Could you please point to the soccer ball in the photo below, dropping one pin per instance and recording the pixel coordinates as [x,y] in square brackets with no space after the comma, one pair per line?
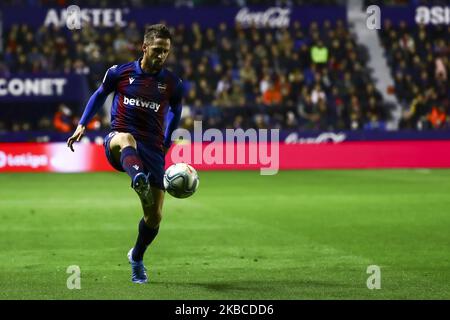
[181,180]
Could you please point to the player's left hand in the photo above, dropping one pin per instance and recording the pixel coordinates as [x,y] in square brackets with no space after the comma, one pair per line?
[77,135]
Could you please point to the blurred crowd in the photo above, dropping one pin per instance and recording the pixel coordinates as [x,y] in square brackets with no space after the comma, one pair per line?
[303,77]
[419,61]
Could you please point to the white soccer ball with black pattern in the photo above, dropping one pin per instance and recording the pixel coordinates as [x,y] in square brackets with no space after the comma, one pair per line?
[181,180]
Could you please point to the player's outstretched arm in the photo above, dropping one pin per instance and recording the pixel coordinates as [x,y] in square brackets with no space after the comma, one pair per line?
[92,107]
[94,104]
[76,137]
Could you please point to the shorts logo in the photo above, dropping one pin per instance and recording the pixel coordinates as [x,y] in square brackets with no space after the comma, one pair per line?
[131,80]
[112,134]
[138,102]
[161,87]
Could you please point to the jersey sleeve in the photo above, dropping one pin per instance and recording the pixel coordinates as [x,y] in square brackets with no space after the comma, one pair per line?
[110,79]
[174,114]
[98,98]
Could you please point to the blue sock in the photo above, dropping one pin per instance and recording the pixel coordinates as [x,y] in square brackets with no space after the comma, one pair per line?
[131,162]
[145,237]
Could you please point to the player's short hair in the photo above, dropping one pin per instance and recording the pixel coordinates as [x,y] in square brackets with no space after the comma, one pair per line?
[157,31]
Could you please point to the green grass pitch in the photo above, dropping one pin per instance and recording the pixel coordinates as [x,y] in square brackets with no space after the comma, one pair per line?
[295,235]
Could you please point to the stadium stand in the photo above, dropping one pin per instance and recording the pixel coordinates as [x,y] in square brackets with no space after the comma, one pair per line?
[419,60]
[312,77]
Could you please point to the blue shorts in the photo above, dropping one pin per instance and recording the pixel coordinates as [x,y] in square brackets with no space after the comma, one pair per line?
[152,158]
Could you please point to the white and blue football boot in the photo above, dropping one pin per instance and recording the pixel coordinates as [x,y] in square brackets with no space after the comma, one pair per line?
[141,185]
[138,270]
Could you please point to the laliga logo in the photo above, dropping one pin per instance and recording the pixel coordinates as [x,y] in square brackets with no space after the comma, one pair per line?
[273,17]
[22,160]
[2,159]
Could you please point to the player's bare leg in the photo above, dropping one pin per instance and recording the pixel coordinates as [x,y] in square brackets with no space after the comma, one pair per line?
[122,140]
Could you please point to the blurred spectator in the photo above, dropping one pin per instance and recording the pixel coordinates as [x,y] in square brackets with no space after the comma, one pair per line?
[95,123]
[15,127]
[238,122]
[3,127]
[237,98]
[355,113]
[291,120]
[373,116]
[62,121]
[307,111]
[319,53]
[437,117]
[318,94]
[441,70]
[44,124]
[224,84]
[407,43]
[261,121]
[272,95]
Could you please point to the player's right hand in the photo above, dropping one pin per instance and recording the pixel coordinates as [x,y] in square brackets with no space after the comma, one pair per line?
[77,135]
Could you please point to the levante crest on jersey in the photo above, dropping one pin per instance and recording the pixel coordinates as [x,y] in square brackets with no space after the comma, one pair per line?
[161,87]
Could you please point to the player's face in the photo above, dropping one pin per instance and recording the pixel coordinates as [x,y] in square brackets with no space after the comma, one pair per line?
[156,52]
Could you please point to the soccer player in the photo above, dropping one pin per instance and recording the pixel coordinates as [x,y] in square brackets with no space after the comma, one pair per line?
[146,109]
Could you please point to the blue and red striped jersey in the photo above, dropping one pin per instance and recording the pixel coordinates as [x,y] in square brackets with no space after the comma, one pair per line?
[141,102]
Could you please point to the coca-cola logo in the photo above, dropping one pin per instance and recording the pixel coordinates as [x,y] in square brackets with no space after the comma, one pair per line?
[274,17]
[325,137]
